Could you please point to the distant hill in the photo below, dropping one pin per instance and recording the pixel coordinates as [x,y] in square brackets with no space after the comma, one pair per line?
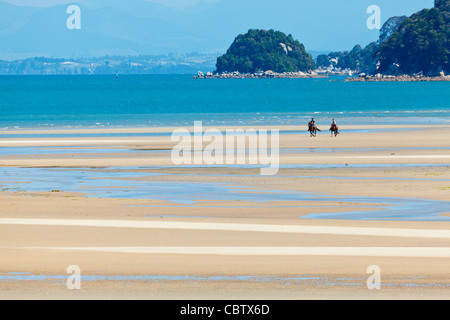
[263,50]
[161,64]
[390,27]
[359,59]
[421,43]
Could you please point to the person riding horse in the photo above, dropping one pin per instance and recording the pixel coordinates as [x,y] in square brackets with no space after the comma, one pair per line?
[334,128]
[312,128]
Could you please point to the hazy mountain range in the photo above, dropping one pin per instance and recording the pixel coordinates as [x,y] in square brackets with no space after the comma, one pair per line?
[144,64]
[135,27]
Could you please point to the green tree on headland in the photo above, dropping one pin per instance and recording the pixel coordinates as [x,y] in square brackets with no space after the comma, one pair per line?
[358,59]
[421,43]
[263,50]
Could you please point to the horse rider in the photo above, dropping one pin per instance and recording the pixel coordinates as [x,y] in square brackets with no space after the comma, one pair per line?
[334,127]
[312,128]
[312,124]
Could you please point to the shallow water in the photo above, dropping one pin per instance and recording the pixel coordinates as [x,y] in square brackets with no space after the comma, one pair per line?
[25,151]
[80,150]
[111,184]
[294,280]
[49,134]
[314,166]
[317,177]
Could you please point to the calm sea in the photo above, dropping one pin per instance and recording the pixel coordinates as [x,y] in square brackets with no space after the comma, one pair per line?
[178,100]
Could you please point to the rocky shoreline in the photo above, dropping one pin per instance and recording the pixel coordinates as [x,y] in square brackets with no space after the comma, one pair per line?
[260,75]
[308,75]
[405,78]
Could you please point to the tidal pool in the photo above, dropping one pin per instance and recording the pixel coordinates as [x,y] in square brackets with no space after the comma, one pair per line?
[109,183]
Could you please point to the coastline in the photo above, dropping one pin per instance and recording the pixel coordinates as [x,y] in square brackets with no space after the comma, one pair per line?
[402,78]
[323,75]
[260,75]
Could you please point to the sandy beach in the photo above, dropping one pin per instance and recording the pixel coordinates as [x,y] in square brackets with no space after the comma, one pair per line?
[112,202]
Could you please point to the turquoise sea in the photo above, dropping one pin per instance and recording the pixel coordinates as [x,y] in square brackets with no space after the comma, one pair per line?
[29,102]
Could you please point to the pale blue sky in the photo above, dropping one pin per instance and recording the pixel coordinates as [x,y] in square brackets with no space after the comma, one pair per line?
[38,27]
[47,3]
[186,3]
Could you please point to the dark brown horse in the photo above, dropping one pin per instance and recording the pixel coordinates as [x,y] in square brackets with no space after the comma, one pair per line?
[334,130]
[312,128]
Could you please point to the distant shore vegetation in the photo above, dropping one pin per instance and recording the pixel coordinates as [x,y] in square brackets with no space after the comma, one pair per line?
[419,44]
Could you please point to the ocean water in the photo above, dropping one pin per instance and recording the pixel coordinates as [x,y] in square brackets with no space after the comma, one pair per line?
[30,102]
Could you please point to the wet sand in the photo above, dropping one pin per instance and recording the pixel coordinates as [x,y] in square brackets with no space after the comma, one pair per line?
[212,247]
